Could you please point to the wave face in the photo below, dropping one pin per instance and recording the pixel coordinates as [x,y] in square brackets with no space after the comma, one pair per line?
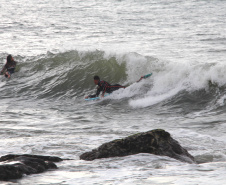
[69,75]
[62,75]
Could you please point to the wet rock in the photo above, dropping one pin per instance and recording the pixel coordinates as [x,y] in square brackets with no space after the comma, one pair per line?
[16,166]
[158,142]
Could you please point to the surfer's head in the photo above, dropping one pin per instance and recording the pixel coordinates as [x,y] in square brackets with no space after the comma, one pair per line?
[96,79]
[9,58]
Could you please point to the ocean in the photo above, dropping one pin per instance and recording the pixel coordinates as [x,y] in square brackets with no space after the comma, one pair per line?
[61,44]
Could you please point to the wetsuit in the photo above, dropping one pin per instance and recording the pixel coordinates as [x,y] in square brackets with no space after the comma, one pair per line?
[9,67]
[106,88]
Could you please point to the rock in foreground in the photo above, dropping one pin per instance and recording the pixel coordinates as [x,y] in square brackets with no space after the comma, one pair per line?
[15,166]
[158,142]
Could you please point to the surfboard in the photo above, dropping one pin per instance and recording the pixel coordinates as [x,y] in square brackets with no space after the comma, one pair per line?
[96,98]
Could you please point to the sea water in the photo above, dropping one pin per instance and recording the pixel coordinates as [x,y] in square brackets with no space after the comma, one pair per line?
[60,45]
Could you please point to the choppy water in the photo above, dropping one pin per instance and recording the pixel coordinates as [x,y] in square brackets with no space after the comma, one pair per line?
[60,45]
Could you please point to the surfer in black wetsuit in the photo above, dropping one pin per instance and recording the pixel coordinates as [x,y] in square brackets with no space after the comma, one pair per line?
[105,87]
[9,67]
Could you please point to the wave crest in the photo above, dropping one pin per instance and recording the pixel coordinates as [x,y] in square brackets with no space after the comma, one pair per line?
[69,75]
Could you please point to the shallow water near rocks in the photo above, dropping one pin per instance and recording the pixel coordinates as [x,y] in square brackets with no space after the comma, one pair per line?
[61,45]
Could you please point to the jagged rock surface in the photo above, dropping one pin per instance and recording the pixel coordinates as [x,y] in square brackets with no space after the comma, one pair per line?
[16,166]
[158,142]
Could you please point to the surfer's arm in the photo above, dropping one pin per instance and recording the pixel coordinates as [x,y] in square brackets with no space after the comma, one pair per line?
[15,64]
[102,95]
[99,89]
[3,69]
[92,96]
[105,86]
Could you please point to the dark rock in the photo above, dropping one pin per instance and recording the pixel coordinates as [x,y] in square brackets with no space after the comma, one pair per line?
[45,158]
[15,166]
[158,142]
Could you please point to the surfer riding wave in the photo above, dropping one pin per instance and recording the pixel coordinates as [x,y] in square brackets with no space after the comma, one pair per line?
[104,87]
[9,67]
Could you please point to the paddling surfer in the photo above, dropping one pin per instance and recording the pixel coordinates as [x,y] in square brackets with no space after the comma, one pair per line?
[9,67]
[104,87]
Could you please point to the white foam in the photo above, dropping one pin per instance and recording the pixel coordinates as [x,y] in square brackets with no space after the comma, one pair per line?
[2,84]
[152,99]
[169,78]
[221,101]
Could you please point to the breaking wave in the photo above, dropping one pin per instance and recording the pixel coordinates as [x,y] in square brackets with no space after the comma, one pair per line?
[69,75]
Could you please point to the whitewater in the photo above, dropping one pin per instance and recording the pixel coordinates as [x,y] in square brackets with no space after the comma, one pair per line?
[60,45]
